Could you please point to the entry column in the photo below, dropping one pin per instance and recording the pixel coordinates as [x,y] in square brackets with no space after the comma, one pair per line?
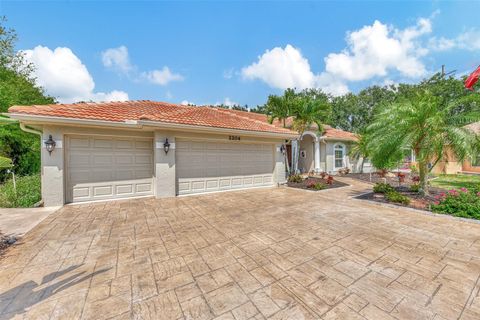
[317,156]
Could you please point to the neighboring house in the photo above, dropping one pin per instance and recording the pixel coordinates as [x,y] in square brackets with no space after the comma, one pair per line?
[142,148]
[450,164]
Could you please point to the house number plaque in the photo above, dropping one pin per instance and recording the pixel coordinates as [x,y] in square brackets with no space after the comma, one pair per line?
[234,138]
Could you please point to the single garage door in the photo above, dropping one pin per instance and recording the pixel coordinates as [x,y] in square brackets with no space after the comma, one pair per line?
[100,167]
[204,166]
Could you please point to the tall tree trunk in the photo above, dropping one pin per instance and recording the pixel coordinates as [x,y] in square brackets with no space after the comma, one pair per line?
[423,172]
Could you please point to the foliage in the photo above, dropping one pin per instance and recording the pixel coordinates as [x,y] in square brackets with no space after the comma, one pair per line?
[329,180]
[295,178]
[427,120]
[315,185]
[5,163]
[415,187]
[354,113]
[27,194]
[381,187]
[394,196]
[360,150]
[17,87]
[460,203]
[456,181]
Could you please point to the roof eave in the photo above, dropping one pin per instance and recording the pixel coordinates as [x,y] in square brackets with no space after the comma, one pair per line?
[38,119]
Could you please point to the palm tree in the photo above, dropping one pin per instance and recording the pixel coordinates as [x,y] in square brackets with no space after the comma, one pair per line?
[281,107]
[427,123]
[309,112]
[360,150]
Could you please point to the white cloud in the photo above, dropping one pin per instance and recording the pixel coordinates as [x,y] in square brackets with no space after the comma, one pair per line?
[187,103]
[63,75]
[281,68]
[441,44]
[374,50]
[118,59]
[469,40]
[227,102]
[284,68]
[228,74]
[162,77]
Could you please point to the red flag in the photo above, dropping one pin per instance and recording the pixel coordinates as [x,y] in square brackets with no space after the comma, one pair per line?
[472,79]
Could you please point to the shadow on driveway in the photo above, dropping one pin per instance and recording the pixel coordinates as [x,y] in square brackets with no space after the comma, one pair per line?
[17,300]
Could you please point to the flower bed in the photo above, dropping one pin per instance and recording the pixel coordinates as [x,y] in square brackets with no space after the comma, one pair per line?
[314,183]
[463,202]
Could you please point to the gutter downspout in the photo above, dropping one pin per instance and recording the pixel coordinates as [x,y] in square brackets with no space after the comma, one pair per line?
[24,128]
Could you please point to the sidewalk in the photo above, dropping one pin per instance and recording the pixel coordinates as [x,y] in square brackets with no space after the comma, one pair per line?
[18,221]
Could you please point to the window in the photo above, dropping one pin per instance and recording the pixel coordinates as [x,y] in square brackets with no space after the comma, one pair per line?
[339,155]
[476,161]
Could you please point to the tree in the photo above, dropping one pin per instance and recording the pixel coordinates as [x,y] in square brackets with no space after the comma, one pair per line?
[17,87]
[427,119]
[281,107]
[360,150]
[354,112]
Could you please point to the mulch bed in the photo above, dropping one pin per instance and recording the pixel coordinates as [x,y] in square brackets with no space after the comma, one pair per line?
[303,184]
[391,178]
[416,200]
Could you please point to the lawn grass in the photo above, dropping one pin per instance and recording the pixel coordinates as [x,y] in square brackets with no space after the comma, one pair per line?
[456,181]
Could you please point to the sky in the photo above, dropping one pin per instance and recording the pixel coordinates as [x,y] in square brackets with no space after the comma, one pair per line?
[238,52]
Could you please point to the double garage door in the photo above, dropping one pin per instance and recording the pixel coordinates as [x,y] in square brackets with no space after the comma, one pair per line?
[214,166]
[101,167]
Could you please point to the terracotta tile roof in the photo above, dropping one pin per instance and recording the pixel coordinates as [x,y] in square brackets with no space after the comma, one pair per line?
[154,111]
[329,132]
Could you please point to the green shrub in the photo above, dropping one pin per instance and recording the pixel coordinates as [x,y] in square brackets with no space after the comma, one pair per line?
[460,203]
[382,188]
[315,185]
[28,192]
[415,188]
[394,196]
[295,178]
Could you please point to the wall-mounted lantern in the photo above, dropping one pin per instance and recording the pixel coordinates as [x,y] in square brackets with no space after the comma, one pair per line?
[166,146]
[50,144]
[282,149]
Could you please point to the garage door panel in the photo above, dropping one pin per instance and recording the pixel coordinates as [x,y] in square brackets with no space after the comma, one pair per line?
[213,166]
[108,167]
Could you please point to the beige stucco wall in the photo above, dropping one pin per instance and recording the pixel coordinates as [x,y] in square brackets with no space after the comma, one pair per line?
[307,164]
[53,166]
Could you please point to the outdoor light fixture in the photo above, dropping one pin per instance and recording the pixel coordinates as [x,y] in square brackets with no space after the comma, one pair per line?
[282,149]
[50,144]
[166,146]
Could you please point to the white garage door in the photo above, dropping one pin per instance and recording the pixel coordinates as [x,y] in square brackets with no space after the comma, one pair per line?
[100,167]
[213,166]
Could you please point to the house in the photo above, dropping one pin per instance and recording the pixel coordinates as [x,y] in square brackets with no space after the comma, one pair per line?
[451,165]
[114,150]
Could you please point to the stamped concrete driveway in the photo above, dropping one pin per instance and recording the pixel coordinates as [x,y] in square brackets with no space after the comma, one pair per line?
[267,253]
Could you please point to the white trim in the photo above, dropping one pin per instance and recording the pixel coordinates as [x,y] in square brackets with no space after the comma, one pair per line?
[344,161]
[310,133]
[273,185]
[105,200]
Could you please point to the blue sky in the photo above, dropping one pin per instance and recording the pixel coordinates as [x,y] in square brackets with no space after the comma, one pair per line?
[225,51]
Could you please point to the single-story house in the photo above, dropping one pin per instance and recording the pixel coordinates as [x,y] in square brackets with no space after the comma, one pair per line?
[451,165]
[112,150]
